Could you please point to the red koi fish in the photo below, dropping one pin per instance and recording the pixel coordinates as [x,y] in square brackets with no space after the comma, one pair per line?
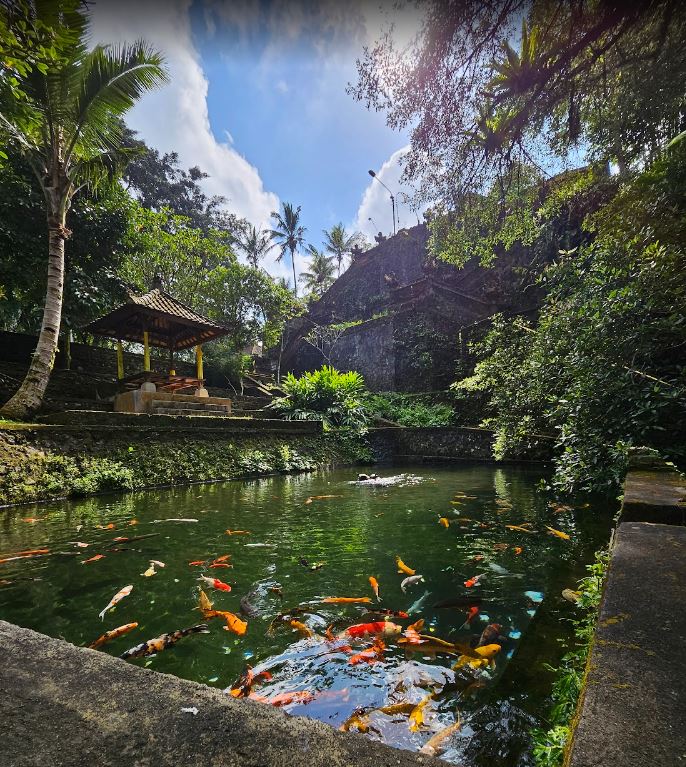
[473,612]
[243,685]
[372,654]
[215,583]
[473,581]
[196,563]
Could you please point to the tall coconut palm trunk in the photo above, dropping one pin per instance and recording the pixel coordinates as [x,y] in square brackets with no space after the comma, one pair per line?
[295,276]
[29,397]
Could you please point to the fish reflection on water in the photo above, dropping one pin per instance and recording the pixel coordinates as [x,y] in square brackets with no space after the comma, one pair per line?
[303,603]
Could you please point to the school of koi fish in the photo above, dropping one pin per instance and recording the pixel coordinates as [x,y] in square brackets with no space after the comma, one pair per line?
[467,656]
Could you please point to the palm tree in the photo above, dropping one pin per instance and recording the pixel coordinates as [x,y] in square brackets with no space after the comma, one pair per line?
[255,243]
[340,243]
[68,127]
[288,234]
[320,277]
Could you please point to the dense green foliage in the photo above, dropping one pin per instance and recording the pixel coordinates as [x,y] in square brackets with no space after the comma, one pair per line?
[319,276]
[549,744]
[410,410]
[324,395]
[604,367]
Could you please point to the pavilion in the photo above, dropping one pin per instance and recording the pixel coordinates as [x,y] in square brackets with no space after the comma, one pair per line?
[157,319]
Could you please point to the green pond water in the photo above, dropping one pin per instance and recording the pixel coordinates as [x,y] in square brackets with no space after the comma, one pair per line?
[356,534]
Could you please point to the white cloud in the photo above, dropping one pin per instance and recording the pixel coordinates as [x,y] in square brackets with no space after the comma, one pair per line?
[175,118]
[282,86]
[376,201]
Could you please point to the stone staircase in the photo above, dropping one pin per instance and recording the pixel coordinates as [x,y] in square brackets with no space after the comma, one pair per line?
[202,409]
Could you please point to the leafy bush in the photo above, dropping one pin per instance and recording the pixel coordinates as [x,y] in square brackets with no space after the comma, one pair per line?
[549,745]
[410,410]
[324,395]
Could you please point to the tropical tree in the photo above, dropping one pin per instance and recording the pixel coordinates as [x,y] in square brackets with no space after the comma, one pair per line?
[339,243]
[255,243]
[68,128]
[288,235]
[320,277]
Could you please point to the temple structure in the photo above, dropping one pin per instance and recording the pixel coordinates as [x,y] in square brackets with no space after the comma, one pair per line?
[159,320]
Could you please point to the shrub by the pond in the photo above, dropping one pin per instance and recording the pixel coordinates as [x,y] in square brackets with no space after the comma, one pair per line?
[324,395]
[549,745]
[410,409]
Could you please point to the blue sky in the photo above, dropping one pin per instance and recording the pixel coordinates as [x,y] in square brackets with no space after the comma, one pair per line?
[257,99]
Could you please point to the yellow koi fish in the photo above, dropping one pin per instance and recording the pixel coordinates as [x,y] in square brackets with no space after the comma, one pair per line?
[434,745]
[485,657]
[301,628]
[520,528]
[403,568]
[444,521]
[375,587]
[557,533]
[416,719]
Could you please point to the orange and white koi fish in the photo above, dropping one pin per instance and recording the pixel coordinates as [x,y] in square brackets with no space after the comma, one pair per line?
[106,527]
[434,745]
[215,583]
[237,532]
[80,544]
[116,599]
[24,554]
[403,568]
[372,654]
[243,685]
[320,498]
[557,533]
[524,528]
[284,698]
[301,628]
[346,600]
[120,539]
[93,559]
[473,581]
[157,563]
[444,521]
[359,630]
[163,642]
[108,636]
[375,587]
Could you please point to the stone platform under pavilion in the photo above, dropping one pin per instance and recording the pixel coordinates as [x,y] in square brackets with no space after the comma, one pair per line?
[157,319]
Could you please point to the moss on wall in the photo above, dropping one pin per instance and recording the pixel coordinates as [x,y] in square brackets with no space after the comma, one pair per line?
[56,462]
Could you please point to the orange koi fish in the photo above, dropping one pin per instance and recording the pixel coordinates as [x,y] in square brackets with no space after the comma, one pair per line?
[120,539]
[233,622]
[403,568]
[375,587]
[32,520]
[163,642]
[501,546]
[444,521]
[223,558]
[284,698]
[417,626]
[346,600]
[196,563]
[521,528]
[391,613]
[359,630]
[372,654]
[474,581]
[320,498]
[243,685]
[219,564]
[93,559]
[355,721]
[24,554]
[558,533]
[237,532]
[116,599]
[108,636]
[301,628]
[106,527]
[215,583]
[518,550]
[132,522]
[473,612]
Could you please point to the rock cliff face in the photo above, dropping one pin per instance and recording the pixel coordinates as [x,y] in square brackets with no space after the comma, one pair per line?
[398,317]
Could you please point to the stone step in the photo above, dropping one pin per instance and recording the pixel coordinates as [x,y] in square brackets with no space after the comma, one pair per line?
[180,405]
[189,412]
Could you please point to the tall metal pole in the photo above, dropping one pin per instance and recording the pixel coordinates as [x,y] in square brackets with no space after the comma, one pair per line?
[373,175]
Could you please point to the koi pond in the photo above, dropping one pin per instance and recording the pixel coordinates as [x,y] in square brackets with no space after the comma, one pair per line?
[312,537]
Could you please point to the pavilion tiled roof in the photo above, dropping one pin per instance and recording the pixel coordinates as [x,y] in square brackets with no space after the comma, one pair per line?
[169,323]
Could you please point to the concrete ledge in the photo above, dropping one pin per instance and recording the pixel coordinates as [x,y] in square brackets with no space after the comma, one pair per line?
[68,706]
[633,712]
[94,418]
[654,492]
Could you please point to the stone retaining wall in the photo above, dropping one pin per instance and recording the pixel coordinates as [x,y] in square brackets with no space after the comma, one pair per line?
[69,706]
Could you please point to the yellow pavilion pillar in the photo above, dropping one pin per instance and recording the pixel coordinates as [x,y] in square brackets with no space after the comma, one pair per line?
[120,360]
[198,362]
[146,352]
